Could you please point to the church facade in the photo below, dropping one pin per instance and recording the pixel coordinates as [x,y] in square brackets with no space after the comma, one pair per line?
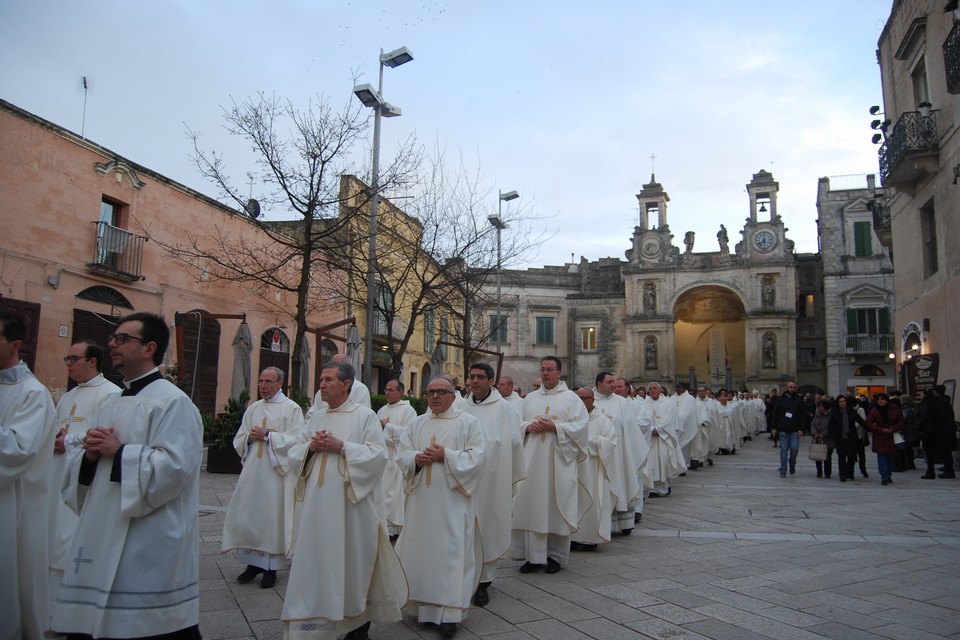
[725,318]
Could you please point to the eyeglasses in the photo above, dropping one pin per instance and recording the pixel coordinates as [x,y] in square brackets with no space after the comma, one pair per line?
[72,359]
[120,338]
[438,392]
[477,376]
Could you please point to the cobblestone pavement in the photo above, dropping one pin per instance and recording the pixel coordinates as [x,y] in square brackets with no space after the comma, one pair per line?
[734,553]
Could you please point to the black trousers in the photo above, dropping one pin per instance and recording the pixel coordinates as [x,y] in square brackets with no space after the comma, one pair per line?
[190,633]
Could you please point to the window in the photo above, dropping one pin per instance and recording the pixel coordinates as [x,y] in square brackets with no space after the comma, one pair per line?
[805,308]
[429,332]
[928,234]
[498,330]
[869,322]
[588,339]
[921,90]
[384,308]
[544,330]
[862,239]
[808,357]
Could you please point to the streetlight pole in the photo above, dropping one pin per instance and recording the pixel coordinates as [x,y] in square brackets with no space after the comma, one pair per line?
[498,223]
[381,108]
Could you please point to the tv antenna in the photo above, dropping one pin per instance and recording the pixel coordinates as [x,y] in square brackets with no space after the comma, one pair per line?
[85,84]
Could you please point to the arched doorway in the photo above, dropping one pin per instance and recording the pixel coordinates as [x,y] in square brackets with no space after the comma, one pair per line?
[424,379]
[708,336]
[275,352]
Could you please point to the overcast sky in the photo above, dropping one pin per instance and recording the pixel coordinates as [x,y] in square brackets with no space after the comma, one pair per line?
[563,101]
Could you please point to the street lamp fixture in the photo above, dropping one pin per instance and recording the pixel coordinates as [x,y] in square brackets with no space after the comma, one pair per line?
[381,108]
[500,225]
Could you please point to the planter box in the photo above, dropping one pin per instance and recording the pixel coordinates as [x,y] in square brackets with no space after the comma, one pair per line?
[223,460]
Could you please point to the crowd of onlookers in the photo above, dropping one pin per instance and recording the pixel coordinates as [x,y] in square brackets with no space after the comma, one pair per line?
[898,428]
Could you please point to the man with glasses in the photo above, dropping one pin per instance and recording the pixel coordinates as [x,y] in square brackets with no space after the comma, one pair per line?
[441,456]
[134,564]
[77,411]
[547,506]
[504,468]
[26,432]
[259,522]
[395,417]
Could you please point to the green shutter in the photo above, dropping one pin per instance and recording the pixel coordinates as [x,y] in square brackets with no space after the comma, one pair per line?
[863,245]
[852,322]
[883,320]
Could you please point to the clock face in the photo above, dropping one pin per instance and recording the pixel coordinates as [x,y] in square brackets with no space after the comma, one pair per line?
[764,241]
[650,248]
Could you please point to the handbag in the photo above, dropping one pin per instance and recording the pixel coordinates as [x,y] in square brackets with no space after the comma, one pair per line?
[898,440]
[818,452]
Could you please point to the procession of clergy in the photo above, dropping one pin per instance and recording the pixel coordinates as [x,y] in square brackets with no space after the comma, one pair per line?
[381,511]
[373,511]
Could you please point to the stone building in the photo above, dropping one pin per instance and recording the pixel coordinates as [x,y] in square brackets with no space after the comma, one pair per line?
[858,288]
[919,56]
[727,317]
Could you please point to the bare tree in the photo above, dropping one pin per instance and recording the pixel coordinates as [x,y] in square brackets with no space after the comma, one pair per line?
[300,156]
[435,256]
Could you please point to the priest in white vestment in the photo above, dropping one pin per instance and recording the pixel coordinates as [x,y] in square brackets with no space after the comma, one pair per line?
[504,468]
[77,411]
[728,425]
[441,456]
[259,524]
[134,565]
[694,440]
[27,429]
[630,453]
[635,403]
[395,417]
[359,394]
[508,393]
[595,472]
[709,411]
[551,500]
[345,572]
[659,424]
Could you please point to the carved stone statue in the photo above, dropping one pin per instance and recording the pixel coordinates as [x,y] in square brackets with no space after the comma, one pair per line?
[723,239]
[768,293]
[649,298]
[769,352]
[650,353]
[688,240]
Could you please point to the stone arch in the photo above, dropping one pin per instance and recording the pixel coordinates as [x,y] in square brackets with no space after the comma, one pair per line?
[709,334]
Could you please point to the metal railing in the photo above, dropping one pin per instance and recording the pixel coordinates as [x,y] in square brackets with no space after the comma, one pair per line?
[913,134]
[864,343]
[951,58]
[117,252]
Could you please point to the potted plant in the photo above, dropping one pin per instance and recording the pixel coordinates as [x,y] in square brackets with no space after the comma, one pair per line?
[218,433]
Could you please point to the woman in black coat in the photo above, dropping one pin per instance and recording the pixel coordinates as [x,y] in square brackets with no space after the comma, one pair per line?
[843,432]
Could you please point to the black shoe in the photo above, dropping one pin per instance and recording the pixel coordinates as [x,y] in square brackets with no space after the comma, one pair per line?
[360,633]
[843,479]
[249,574]
[884,482]
[947,476]
[625,532]
[793,469]
[820,474]
[653,494]
[529,567]
[637,517]
[575,546]
[928,476]
[683,475]
[481,597]
[710,461]
[447,629]
[268,580]
[552,565]
[865,474]
[827,476]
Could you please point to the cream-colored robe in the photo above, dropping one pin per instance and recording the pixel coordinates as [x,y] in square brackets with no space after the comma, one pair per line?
[626,468]
[595,474]
[345,572]
[359,394]
[134,564]
[27,428]
[400,415]
[666,460]
[439,547]
[260,515]
[728,426]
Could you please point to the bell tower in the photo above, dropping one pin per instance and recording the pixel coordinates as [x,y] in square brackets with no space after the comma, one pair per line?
[652,240]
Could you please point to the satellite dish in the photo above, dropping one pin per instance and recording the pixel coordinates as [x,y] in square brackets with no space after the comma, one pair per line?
[252,208]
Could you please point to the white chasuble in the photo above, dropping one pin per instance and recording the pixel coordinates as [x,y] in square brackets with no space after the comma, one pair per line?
[134,564]
[344,570]
[504,468]
[399,416]
[595,473]
[438,546]
[665,460]
[260,515]
[626,467]
[551,499]
[27,428]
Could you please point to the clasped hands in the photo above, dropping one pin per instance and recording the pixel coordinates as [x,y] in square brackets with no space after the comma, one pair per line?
[100,441]
[258,433]
[433,453]
[325,442]
[542,425]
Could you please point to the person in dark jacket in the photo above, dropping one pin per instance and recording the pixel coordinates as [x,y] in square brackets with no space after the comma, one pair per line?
[844,422]
[789,419]
[820,431]
[885,420]
[945,430]
[927,428]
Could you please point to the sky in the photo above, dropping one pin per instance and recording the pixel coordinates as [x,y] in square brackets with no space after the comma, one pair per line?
[564,102]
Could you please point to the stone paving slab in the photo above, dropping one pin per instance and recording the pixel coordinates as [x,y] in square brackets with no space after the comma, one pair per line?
[735,552]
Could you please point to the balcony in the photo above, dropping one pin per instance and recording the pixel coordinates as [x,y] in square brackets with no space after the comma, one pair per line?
[864,343]
[910,150]
[951,59]
[880,207]
[118,253]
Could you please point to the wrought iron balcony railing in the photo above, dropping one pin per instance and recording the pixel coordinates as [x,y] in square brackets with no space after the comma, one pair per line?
[117,252]
[911,142]
[951,58]
[864,343]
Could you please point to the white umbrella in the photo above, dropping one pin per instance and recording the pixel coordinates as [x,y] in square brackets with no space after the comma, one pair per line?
[242,348]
